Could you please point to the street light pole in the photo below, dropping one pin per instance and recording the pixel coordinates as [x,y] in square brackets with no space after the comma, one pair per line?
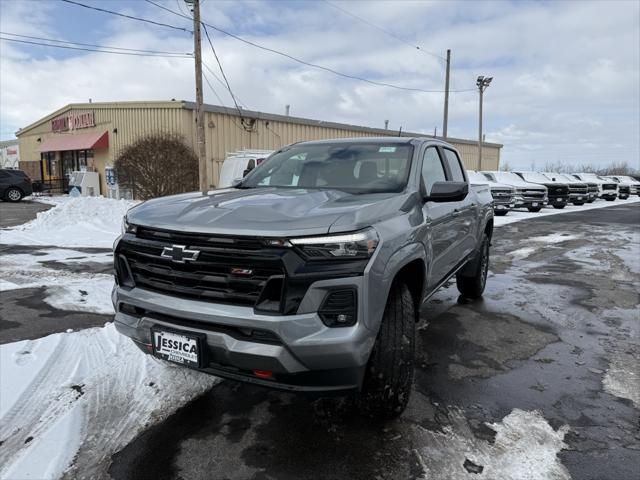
[482,83]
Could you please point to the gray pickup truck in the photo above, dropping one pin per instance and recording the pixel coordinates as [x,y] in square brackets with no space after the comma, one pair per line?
[308,275]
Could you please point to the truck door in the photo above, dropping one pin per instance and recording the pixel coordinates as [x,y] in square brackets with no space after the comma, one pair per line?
[465,210]
[438,232]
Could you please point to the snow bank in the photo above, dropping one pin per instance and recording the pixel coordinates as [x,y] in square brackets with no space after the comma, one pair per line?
[77,398]
[525,448]
[72,222]
[518,216]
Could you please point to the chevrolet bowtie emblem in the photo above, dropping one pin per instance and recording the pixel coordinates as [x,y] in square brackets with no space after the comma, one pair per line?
[180,253]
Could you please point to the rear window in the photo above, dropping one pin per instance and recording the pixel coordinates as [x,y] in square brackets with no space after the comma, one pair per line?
[454,165]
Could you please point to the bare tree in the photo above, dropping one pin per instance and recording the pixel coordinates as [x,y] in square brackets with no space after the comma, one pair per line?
[505,167]
[157,165]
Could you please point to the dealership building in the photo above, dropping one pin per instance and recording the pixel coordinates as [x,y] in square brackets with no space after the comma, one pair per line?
[90,136]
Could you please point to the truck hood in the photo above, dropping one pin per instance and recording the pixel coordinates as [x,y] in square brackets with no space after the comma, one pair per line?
[269,212]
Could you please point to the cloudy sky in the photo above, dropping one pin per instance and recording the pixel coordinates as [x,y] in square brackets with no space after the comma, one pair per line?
[566,74]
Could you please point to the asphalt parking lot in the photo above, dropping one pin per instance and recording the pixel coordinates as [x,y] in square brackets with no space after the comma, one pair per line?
[12,214]
[554,341]
[561,309]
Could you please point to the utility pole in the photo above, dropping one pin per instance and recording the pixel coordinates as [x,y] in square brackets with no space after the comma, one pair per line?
[482,83]
[446,97]
[201,150]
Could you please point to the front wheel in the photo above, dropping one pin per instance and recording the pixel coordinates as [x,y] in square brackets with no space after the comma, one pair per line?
[609,199]
[577,204]
[559,206]
[389,375]
[501,213]
[13,194]
[472,286]
[534,209]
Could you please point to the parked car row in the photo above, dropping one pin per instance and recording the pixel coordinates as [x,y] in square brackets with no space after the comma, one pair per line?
[535,190]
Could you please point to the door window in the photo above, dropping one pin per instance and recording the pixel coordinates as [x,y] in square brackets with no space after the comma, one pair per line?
[432,169]
[454,165]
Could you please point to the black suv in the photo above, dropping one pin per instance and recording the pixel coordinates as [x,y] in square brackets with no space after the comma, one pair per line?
[14,185]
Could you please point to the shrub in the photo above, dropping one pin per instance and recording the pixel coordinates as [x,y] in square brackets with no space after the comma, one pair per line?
[157,165]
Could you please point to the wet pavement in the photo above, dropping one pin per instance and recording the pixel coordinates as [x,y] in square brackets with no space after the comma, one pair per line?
[12,214]
[539,380]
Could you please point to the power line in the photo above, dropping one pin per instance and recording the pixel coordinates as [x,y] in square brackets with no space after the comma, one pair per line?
[93,49]
[206,79]
[131,17]
[157,52]
[308,64]
[221,82]
[383,30]
[222,71]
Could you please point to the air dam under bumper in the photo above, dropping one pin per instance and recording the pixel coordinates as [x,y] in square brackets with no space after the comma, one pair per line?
[301,352]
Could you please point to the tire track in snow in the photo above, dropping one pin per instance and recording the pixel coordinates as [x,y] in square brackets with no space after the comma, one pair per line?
[94,389]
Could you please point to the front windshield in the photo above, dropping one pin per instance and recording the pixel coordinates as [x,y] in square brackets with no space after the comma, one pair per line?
[476,178]
[507,177]
[352,167]
[534,177]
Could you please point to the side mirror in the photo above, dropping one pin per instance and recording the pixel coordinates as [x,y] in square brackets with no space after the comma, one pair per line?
[448,192]
[235,182]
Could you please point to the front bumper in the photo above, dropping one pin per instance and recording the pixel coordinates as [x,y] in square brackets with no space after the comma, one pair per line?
[301,352]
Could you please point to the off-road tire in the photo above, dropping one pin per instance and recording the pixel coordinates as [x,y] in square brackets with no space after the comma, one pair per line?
[501,213]
[13,194]
[534,209]
[389,376]
[473,286]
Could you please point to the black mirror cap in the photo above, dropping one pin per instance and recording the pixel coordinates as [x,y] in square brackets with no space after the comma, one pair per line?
[448,192]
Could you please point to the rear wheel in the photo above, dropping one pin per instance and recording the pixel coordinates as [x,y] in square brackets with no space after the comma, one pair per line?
[534,209]
[13,194]
[472,286]
[389,375]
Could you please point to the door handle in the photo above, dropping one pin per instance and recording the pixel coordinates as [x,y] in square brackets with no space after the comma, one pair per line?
[456,212]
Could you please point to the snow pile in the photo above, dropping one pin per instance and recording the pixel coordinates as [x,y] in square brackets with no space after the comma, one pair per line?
[74,399]
[519,215]
[73,222]
[525,448]
[65,289]
[622,378]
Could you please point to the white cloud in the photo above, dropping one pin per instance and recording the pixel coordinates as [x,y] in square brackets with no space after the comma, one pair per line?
[566,73]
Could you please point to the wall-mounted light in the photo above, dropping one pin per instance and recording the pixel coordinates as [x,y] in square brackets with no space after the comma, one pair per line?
[38,139]
[115,130]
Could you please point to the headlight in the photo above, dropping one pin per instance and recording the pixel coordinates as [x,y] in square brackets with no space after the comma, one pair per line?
[128,227]
[357,245]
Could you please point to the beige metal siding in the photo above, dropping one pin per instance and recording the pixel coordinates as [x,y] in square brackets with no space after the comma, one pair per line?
[224,132]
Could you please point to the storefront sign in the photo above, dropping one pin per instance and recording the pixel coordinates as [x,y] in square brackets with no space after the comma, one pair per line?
[73,122]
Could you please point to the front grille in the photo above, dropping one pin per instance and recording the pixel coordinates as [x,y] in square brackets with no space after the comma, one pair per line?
[501,193]
[533,194]
[226,270]
[609,186]
[578,190]
[556,190]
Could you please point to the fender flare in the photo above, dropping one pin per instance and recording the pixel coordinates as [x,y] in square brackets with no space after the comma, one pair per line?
[397,261]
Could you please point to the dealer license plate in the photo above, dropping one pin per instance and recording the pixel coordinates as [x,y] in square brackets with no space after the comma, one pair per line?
[579,198]
[176,347]
[534,204]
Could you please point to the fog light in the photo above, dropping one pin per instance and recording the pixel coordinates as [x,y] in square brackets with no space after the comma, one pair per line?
[263,373]
[339,308]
